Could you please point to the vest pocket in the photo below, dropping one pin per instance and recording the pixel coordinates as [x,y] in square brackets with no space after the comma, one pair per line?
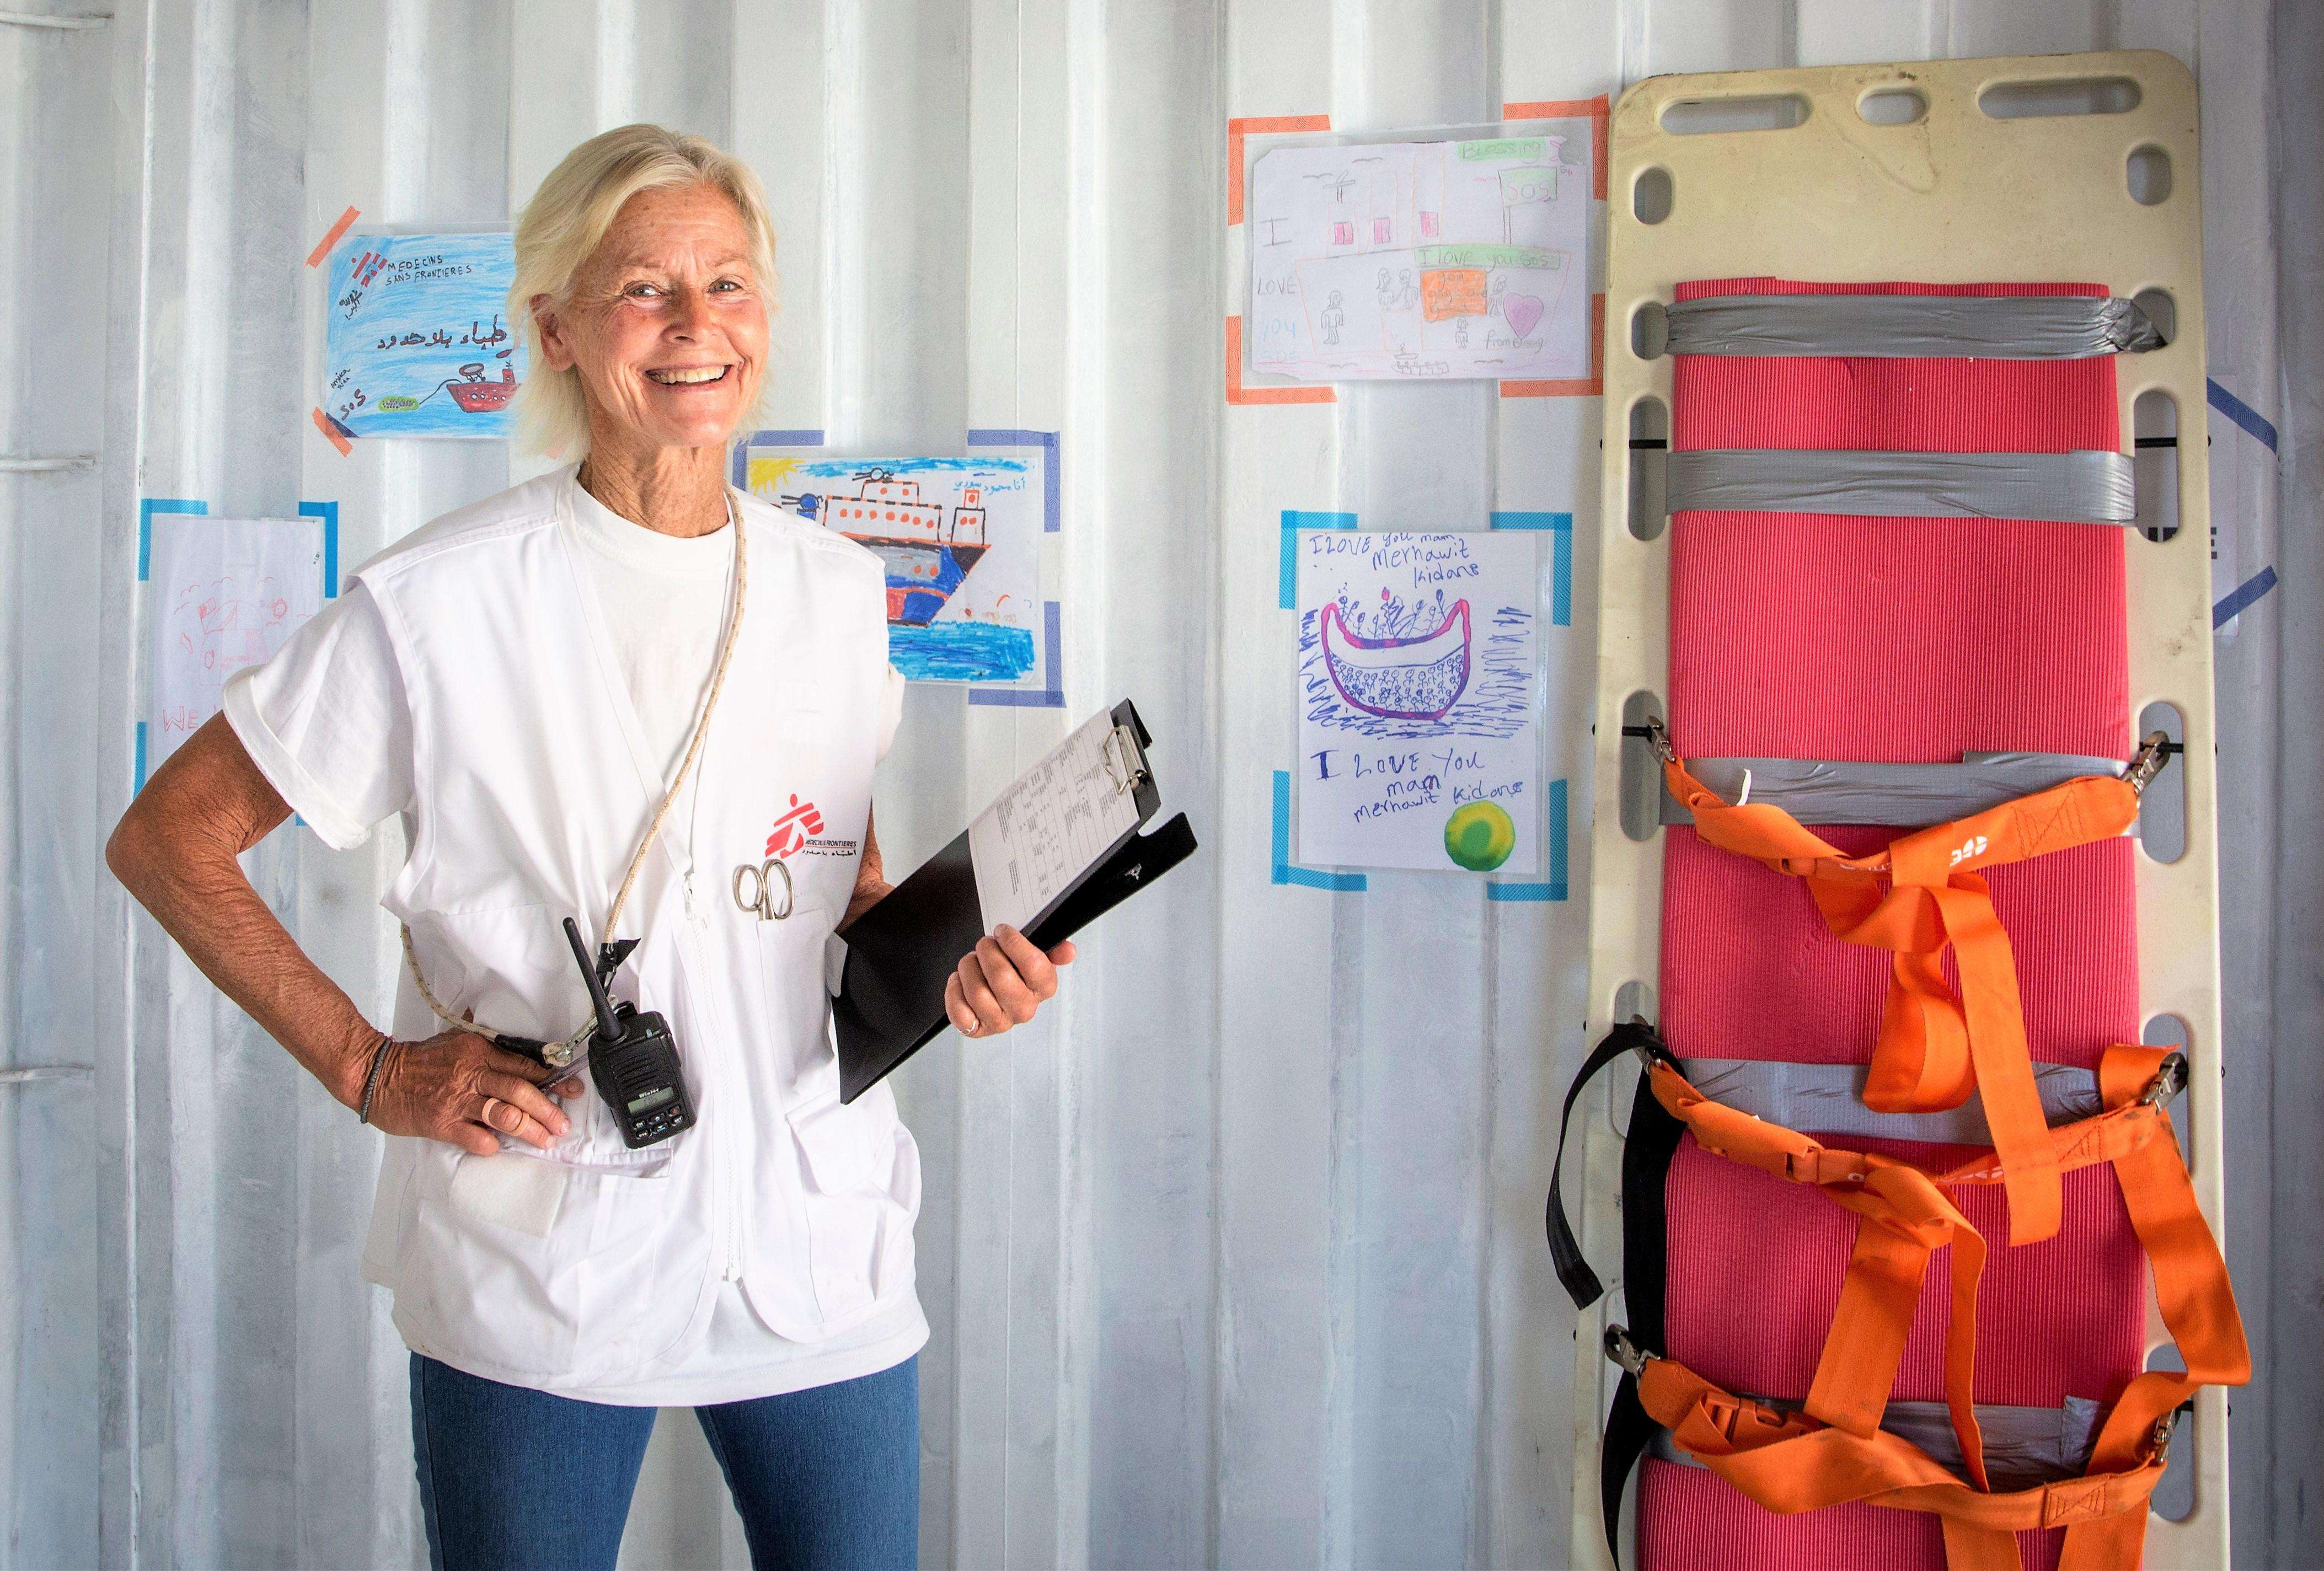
[838,1143]
[503,965]
[601,1277]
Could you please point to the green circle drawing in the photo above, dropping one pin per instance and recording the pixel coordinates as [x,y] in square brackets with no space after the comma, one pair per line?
[1479,836]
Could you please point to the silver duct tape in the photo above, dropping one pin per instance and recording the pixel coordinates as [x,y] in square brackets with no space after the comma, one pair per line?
[2024,1447]
[1894,795]
[2083,488]
[1828,1100]
[1911,327]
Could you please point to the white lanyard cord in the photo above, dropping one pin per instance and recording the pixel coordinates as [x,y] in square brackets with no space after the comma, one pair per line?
[560,1053]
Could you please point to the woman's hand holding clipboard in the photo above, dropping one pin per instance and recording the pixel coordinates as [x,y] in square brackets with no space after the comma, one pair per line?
[1058,849]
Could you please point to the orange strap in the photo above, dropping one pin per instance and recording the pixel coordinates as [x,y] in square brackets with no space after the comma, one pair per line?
[1903,1218]
[1789,1463]
[1835,1450]
[1916,898]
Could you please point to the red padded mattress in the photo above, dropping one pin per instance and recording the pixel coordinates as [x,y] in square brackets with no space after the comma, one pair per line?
[1885,640]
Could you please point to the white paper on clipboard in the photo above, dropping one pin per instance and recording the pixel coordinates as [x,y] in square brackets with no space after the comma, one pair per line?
[1050,827]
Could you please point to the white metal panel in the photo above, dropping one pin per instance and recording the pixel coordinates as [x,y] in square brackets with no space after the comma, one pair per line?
[51,410]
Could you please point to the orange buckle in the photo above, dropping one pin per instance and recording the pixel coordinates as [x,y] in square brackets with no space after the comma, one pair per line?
[1726,1414]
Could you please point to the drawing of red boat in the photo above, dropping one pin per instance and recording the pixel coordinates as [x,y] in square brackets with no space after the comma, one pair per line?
[476,396]
[1420,678]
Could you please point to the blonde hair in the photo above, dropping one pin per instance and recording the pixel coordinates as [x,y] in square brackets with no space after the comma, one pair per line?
[561,227]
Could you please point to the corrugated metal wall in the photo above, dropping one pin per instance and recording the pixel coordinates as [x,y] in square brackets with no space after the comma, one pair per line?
[1236,1260]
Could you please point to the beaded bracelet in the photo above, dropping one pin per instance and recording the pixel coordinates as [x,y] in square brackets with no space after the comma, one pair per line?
[371,1081]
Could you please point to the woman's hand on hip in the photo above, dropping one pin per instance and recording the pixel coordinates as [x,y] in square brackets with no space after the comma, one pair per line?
[458,1088]
[1002,982]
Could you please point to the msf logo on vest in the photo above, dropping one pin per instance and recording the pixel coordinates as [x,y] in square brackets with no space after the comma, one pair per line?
[799,831]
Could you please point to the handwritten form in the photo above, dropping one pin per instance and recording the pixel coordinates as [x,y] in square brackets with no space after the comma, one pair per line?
[1422,260]
[224,594]
[417,340]
[1050,827]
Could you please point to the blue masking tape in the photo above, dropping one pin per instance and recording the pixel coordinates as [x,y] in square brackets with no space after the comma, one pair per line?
[1294,520]
[1304,878]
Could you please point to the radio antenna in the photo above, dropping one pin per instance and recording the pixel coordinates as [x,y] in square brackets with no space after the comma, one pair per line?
[607,1026]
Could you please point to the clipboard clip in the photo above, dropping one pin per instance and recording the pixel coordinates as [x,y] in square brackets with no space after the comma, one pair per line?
[1125,760]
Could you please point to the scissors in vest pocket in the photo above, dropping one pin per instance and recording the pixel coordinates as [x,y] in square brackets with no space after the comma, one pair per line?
[761,881]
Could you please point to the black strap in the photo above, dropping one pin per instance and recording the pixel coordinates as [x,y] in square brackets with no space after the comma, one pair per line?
[1629,1432]
[1581,1283]
[1648,1147]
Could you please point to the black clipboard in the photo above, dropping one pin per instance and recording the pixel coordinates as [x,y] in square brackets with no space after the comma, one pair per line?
[901,951]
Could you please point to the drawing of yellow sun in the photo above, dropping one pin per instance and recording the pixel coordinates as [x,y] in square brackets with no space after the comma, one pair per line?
[767,473]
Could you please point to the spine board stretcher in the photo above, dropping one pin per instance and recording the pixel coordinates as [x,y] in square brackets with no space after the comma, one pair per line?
[2088,623]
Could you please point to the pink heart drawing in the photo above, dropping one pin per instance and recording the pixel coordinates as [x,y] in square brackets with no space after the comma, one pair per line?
[1523,313]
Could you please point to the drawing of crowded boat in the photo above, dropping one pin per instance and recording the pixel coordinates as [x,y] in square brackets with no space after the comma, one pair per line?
[927,554]
[476,396]
[1416,677]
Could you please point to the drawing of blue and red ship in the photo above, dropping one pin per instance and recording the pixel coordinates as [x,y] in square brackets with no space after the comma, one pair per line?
[926,553]
[1419,678]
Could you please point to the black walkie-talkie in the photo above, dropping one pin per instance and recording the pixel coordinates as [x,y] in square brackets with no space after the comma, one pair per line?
[633,1061]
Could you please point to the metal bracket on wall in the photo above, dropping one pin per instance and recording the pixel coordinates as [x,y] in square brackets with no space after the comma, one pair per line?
[81,22]
[46,1072]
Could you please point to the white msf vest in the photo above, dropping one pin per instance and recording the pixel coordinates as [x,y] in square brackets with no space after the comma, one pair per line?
[594,1265]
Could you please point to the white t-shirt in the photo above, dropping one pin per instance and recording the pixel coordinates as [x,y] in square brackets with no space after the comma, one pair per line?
[326,723]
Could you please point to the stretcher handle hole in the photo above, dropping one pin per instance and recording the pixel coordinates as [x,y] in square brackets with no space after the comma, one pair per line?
[1755,111]
[2154,465]
[1649,331]
[1641,783]
[2173,1499]
[2060,95]
[2171,1031]
[2148,172]
[2165,1030]
[1893,107]
[2161,309]
[1633,1000]
[1651,194]
[2162,806]
[1649,468]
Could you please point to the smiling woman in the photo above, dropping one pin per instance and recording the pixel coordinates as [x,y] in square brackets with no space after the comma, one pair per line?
[531,683]
[698,225]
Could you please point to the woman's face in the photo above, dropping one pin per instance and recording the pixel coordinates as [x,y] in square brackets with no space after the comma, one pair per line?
[665,323]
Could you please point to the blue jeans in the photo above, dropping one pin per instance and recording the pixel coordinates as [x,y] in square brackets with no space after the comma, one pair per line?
[827,1479]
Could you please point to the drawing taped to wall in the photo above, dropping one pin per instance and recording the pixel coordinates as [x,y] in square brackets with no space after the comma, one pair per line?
[1421,258]
[416,337]
[224,593]
[1418,689]
[959,539]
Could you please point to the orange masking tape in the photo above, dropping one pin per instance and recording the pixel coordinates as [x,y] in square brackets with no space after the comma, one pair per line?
[323,246]
[331,433]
